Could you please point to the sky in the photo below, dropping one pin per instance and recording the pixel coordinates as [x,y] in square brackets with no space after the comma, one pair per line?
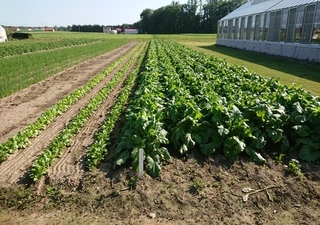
[74,12]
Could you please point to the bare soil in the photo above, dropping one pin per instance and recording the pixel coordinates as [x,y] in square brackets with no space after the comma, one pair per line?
[190,190]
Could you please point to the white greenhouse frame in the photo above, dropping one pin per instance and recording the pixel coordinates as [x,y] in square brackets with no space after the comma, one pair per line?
[3,35]
[289,28]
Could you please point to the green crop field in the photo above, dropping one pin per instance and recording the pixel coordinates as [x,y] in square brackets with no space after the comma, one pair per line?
[210,130]
[27,62]
[44,57]
[288,71]
[191,101]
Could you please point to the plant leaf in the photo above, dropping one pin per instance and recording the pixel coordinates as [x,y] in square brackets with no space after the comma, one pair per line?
[122,158]
[255,156]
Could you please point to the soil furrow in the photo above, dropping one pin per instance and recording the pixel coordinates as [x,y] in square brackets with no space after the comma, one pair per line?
[24,107]
[16,167]
[69,168]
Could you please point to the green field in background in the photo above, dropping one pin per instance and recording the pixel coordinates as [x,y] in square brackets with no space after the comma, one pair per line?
[20,71]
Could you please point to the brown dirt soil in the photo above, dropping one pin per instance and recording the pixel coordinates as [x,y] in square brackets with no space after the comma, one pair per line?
[190,190]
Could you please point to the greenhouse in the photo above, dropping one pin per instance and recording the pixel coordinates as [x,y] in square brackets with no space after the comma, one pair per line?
[3,35]
[289,28]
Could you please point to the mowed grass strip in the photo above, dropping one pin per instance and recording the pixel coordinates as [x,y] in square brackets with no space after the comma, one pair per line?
[21,71]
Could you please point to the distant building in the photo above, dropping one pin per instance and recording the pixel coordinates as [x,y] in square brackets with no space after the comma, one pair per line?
[278,27]
[15,29]
[131,31]
[108,30]
[119,30]
[50,29]
[3,35]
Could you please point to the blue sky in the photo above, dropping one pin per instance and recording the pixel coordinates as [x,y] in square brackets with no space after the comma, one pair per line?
[69,12]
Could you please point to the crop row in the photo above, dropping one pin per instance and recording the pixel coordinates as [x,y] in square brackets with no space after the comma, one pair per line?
[268,115]
[22,138]
[98,150]
[189,101]
[144,127]
[23,70]
[27,47]
[66,136]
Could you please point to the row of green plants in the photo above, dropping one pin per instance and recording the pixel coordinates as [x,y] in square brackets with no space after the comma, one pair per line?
[188,101]
[29,47]
[97,151]
[265,114]
[66,136]
[22,138]
[144,121]
[21,71]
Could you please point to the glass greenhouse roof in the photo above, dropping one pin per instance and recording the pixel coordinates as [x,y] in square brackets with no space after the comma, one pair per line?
[292,3]
[258,6]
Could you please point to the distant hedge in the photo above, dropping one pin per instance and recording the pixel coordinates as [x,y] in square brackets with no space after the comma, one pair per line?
[21,35]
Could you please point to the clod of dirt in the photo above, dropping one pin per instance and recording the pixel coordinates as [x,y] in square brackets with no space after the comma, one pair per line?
[152,215]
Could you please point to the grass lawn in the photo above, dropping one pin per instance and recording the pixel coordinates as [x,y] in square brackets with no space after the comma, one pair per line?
[304,74]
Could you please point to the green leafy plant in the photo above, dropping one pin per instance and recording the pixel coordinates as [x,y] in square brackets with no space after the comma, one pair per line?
[196,187]
[294,167]
[192,101]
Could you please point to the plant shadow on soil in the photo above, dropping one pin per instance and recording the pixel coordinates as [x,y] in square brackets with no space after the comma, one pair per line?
[298,68]
[189,189]
[25,179]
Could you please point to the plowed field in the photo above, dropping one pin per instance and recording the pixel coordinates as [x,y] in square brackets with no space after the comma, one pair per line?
[190,189]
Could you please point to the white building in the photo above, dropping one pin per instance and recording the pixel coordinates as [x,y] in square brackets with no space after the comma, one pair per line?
[288,28]
[3,35]
[108,30]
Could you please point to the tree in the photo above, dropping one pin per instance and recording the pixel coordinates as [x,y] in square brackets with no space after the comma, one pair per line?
[186,18]
[189,19]
[214,10]
[145,20]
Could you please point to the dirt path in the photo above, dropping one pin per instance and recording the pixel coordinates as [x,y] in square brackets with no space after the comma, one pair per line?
[16,167]
[24,107]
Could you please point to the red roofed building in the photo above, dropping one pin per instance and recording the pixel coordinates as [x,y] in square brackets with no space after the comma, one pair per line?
[15,29]
[51,29]
[119,30]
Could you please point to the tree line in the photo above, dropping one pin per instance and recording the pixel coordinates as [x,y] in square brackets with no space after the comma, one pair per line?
[99,28]
[193,17]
